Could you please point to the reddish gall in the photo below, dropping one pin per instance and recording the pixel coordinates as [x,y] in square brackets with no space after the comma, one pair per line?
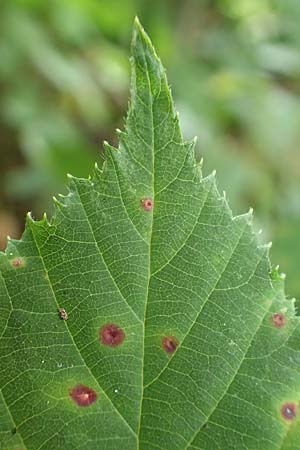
[111,335]
[169,344]
[83,395]
[289,411]
[278,320]
[147,204]
[17,263]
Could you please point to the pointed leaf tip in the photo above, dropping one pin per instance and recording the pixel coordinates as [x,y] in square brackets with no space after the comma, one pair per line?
[141,42]
[139,29]
[137,22]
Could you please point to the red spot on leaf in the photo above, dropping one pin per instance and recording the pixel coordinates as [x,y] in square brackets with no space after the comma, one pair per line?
[111,335]
[289,411]
[147,204]
[17,263]
[83,395]
[169,344]
[278,320]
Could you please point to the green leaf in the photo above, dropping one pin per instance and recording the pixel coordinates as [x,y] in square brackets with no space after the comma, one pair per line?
[178,333]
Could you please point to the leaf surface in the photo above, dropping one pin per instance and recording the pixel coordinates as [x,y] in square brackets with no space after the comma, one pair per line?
[178,333]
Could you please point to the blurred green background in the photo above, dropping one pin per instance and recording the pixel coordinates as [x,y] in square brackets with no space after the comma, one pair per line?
[234,68]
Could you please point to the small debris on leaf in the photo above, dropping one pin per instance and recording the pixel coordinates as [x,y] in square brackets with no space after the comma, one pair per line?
[63,314]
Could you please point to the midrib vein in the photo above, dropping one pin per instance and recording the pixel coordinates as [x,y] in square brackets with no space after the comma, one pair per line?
[150,248]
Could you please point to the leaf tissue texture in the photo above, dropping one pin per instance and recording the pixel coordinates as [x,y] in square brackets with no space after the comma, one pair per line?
[144,315]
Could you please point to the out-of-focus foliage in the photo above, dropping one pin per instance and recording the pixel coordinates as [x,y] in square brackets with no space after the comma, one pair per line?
[235,72]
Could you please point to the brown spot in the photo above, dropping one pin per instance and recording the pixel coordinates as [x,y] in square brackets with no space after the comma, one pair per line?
[63,314]
[111,335]
[83,395]
[169,344]
[289,411]
[147,204]
[278,320]
[17,263]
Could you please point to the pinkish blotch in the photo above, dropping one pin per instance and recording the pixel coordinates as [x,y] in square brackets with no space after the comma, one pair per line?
[278,320]
[111,335]
[288,411]
[17,262]
[169,344]
[147,204]
[83,395]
